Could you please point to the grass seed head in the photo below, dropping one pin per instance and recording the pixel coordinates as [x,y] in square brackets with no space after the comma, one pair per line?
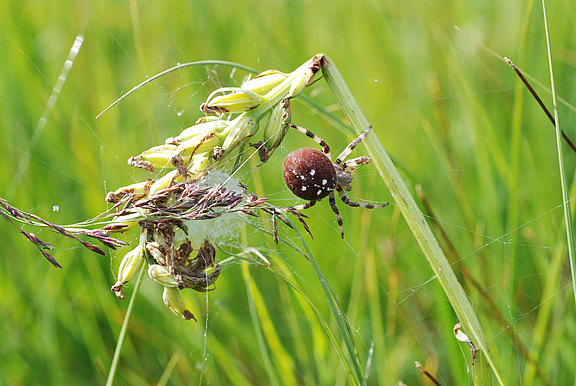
[137,191]
[236,102]
[211,125]
[198,144]
[159,156]
[129,267]
[264,82]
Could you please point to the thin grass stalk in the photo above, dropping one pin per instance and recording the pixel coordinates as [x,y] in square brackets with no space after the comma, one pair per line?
[332,300]
[123,330]
[323,367]
[176,68]
[352,362]
[565,197]
[258,327]
[415,220]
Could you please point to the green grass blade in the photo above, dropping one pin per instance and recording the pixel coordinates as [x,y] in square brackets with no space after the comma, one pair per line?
[565,197]
[415,220]
[265,328]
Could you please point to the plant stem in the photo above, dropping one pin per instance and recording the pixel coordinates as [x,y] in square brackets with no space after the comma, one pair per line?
[122,336]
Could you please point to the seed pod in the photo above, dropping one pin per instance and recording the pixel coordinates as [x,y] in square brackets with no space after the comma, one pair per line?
[197,168]
[304,75]
[165,182]
[198,144]
[157,156]
[240,128]
[174,300]
[298,84]
[137,190]
[129,267]
[161,275]
[264,82]
[211,126]
[273,131]
[236,102]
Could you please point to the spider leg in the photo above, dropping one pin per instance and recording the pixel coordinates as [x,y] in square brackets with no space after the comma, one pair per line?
[356,162]
[315,138]
[304,206]
[355,204]
[346,152]
[337,212]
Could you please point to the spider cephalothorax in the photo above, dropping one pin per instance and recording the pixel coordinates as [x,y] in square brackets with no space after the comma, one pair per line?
[310,174]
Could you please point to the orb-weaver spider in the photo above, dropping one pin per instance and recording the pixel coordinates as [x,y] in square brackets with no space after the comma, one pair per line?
[310,174]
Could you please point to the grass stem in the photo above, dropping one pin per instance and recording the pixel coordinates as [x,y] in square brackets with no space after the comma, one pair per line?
[123,330]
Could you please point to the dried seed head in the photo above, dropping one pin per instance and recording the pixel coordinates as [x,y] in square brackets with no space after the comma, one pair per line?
[309,174]
[193,272]
[156,252]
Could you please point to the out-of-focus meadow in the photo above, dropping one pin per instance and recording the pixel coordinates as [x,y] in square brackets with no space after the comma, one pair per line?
[455,119]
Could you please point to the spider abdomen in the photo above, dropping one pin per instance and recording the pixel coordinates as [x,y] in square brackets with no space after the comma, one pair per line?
[309,174]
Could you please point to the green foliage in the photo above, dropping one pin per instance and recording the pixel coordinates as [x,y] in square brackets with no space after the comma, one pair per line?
[454,119]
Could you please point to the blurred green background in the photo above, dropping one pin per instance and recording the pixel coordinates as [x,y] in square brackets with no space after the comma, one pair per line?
[455,119]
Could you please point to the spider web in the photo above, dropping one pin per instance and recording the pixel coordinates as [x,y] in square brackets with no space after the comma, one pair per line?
[178,96]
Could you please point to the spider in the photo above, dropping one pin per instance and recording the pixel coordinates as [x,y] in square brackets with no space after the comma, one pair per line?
[310,174]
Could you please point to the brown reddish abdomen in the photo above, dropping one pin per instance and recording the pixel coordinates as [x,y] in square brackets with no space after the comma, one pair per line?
[309,174]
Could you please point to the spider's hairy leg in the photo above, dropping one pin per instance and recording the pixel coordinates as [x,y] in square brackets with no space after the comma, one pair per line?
[304,206]
[355,204]
[315,138]
[346,152]
[332,201]
[363,160]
